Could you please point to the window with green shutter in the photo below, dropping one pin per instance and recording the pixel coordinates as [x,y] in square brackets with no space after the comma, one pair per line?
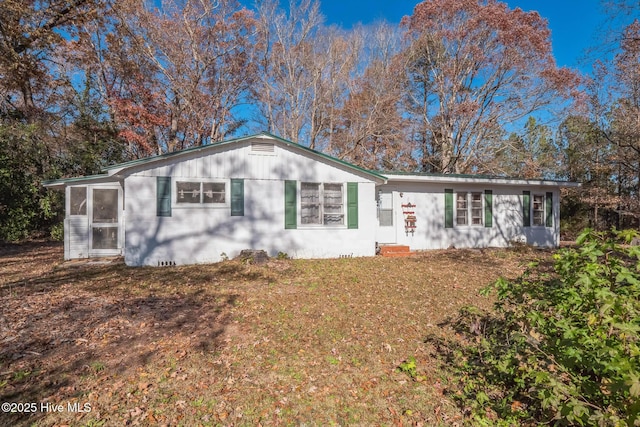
[290,205]
[488,208]
[352,205]
[448,208]
[163,196]
[237,197]
[526,208]
[549,209]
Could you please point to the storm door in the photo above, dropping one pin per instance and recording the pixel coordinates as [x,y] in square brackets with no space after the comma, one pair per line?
[104,234]
[386,230]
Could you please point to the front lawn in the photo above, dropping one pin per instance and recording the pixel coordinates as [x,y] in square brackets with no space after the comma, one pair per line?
[289,342]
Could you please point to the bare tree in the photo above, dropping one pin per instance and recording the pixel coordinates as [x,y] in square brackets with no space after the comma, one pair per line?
[285,93]
[474,66]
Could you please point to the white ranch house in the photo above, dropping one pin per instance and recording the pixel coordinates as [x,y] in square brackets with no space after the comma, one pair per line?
[206,203]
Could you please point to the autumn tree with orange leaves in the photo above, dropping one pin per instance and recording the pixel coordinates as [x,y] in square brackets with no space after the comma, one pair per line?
[183,69]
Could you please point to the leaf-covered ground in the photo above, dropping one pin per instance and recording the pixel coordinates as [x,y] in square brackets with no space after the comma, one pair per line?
[289,342]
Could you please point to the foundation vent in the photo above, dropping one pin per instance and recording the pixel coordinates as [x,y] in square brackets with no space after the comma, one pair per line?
[166,263]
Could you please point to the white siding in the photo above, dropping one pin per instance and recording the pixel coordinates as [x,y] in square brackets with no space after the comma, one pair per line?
[238,161]
[430,232]
[203,234]
[76,236]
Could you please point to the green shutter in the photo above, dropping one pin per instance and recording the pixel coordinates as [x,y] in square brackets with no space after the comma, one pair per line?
[488,208]
[526,208]
[290,205]
[352,205]
[237,197]
[163,196]
[549,210]
[448,208]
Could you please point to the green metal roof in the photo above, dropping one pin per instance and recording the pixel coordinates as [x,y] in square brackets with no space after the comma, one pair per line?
[63,181]
[159,157]
[472,176]
[377,175]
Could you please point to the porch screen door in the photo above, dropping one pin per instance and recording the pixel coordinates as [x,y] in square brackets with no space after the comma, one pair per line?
[104,220]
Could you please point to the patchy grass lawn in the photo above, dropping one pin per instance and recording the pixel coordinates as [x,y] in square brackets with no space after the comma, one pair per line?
[290,342]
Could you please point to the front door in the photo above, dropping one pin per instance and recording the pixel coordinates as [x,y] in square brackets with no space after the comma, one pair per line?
[386,231]
[104,226]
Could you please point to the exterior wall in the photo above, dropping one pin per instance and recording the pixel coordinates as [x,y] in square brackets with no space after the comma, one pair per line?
[198,234]
[430,231]
[76,238]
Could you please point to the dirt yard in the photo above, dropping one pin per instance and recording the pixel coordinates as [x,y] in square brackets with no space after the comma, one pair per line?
[289,342]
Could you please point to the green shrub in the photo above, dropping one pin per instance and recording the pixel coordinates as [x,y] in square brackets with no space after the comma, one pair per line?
[562,346]
[57,232]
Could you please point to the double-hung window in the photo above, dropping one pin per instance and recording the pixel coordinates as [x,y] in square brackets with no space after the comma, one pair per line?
[200,193]
[469,208]
[476,208]
[538,210]
[539,207]
[321,203]
[462,209]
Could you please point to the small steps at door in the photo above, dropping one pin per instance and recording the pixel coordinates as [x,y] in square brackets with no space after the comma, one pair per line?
[395,251]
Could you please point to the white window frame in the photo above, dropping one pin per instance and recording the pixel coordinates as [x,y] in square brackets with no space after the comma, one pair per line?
[469,208]
[201,204]
[321,204]
[542,210]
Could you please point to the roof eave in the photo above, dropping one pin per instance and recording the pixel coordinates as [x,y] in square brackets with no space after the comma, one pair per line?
[445,179]
[58,184]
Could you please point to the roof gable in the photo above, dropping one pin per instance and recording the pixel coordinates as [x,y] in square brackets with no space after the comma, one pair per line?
[126,167]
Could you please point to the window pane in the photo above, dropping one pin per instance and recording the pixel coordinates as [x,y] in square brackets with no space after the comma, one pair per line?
[461,201]
[333,219]
[333,203]
[78,201]
[476,200]
[385,217]
[461,209]
[105,205]
[385,209]
[310,214]
[538,209]
[213,192]
[461,218]
[105,238]
[188,192]
[310,203]
[476,208]
[310,193]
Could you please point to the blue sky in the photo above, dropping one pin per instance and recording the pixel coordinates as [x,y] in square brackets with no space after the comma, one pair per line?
[573,23]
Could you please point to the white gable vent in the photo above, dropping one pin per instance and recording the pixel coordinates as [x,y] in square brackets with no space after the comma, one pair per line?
[262,147]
